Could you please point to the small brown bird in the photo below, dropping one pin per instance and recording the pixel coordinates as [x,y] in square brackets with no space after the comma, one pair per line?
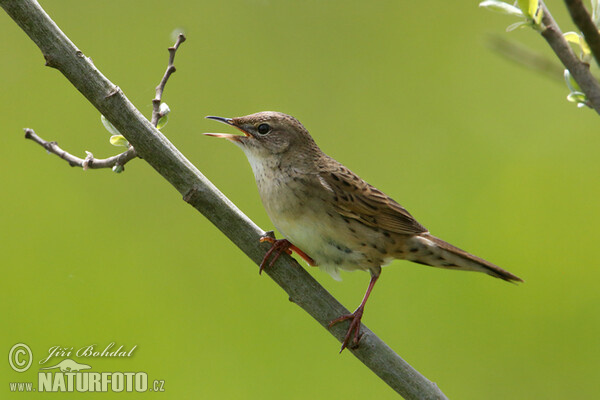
[330,216]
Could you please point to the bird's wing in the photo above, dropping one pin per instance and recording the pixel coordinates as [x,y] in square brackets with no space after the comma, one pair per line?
[354,198]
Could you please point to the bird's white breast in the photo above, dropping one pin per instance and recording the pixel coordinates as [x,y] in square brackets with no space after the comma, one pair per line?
[301,216]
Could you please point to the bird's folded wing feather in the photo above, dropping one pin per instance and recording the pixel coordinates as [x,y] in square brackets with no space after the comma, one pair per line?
[354,198]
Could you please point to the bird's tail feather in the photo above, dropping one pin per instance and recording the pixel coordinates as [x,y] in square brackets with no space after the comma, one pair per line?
[438,253]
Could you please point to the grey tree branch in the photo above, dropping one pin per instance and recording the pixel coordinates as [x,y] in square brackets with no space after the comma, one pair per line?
[579,70]
[584,22]
[85,163]
[154,148]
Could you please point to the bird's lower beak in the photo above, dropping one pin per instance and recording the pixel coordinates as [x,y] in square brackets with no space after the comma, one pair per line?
[228,136]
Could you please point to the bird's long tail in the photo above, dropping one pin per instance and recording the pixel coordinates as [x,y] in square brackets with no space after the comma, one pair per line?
[430,250]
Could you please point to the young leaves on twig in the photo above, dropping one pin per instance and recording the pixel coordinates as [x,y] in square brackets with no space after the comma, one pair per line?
[529,11]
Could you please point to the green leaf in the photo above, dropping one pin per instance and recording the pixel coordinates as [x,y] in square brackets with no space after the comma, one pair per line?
[531,9]
[516,25]
[578,40]
[571,37]
[501,7]
[577,97]
[525,6]
[109,127]
[595,12]
[571,83]
[162,122]
[118,140]
[163,111]
[118,168]
[536,13]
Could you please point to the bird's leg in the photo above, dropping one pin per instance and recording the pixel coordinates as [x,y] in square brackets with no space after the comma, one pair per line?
[278,247]
[356,316]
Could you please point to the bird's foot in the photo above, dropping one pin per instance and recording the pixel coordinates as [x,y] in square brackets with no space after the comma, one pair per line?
[278,247]
[354,327]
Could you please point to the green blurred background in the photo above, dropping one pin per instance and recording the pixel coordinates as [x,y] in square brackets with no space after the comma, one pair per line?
[486,154]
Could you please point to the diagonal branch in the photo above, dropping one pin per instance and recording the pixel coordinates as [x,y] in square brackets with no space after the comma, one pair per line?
[155,149]
[579,70]
[584,22]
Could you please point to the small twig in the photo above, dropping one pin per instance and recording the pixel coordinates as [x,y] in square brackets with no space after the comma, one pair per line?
[86,163]
[579,70]
[89,162]
[156,114]
[584,22]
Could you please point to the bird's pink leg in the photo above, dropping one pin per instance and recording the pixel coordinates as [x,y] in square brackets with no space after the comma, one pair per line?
[278,247]
[356,316]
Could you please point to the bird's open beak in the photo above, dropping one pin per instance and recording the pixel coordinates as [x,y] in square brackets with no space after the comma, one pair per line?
[228,136]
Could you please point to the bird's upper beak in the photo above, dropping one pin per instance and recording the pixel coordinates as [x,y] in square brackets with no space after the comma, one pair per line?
[228,121]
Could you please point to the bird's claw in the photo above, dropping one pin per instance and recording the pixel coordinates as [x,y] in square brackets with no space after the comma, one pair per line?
[354,327]
[277,247]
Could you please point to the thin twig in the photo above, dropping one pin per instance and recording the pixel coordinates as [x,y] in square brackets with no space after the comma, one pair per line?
[86,163]
[579,70]
[584,22]
[156,114]
[90,162]
[198,191]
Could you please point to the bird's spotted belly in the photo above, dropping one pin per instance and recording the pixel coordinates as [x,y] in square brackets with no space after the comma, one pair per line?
[310,222]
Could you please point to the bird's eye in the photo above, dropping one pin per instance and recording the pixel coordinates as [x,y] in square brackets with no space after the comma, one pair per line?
[263,129]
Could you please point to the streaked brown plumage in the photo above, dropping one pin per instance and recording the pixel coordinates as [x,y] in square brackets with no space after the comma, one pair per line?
[333,216]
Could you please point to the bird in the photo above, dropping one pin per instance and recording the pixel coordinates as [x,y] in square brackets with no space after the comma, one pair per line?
[331,217]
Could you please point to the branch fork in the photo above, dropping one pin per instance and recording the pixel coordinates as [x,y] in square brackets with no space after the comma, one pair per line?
[116,163]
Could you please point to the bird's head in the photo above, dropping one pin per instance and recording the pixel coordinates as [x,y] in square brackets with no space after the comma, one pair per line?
[268,133]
